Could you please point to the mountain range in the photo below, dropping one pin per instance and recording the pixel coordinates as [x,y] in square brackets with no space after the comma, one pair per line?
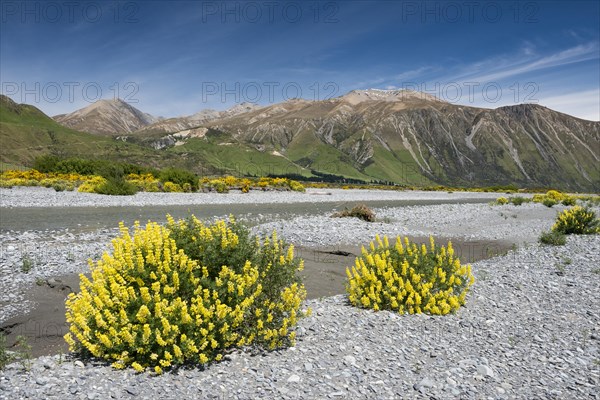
[397,136]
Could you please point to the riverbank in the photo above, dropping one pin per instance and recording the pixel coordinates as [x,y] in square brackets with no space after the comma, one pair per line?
[530,328]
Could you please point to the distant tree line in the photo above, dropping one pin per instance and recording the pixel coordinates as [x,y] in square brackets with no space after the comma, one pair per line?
[319,177]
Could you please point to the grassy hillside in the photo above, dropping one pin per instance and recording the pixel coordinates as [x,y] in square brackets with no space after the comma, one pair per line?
[26,133]
[308,151]
[222,153]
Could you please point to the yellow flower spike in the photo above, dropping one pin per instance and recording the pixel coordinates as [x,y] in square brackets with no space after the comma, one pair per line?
[404,268]
[386,242]
[378,240]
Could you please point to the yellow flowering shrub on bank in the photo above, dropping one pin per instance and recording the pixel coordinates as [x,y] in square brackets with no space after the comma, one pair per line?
[91,184]
[33,177]
[577,220]
[552,197]
[501,201]
[227,183]
[144,182]
[172,187]
[409,278]
[185,292]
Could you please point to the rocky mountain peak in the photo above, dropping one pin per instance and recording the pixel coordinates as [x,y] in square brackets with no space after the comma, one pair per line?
[107,116]
[388,95]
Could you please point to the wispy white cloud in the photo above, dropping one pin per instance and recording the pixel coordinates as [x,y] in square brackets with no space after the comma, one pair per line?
[585,104]
[528,48]
[509,66]
[412,73]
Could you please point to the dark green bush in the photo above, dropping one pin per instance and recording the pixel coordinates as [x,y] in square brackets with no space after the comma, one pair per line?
[59,187]
[549,202]
[553,238]
[46,163]
[179,177]
[5,356]
[116,187]
[518,200]
[50,163]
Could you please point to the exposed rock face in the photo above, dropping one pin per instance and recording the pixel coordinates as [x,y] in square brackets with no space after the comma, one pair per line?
[178,124]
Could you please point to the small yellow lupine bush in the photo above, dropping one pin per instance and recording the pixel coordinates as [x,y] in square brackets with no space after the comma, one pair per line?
[185,292]
[554,195]
[501,201]
[145,182]
[577,220]
[92,184]
[409,278]
[172,187]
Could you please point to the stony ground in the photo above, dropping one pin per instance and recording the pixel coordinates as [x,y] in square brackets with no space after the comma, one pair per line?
[530,329]
[44,197]
[518,224]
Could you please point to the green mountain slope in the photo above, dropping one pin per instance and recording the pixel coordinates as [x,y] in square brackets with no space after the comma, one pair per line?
[26,133]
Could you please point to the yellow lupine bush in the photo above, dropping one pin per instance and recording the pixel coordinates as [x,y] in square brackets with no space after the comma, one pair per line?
[145,182]
[501,201]
[577,220]
[230,180]
[554,197]
[91,184]
[408,278]
[33,177]
[277,307]
[172,187]
[151,305]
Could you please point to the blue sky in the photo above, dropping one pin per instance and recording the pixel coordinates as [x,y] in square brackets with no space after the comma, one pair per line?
[173,58]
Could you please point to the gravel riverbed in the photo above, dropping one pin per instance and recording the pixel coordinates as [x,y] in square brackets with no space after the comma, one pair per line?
[530,329]
[45,197]
[519,224]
